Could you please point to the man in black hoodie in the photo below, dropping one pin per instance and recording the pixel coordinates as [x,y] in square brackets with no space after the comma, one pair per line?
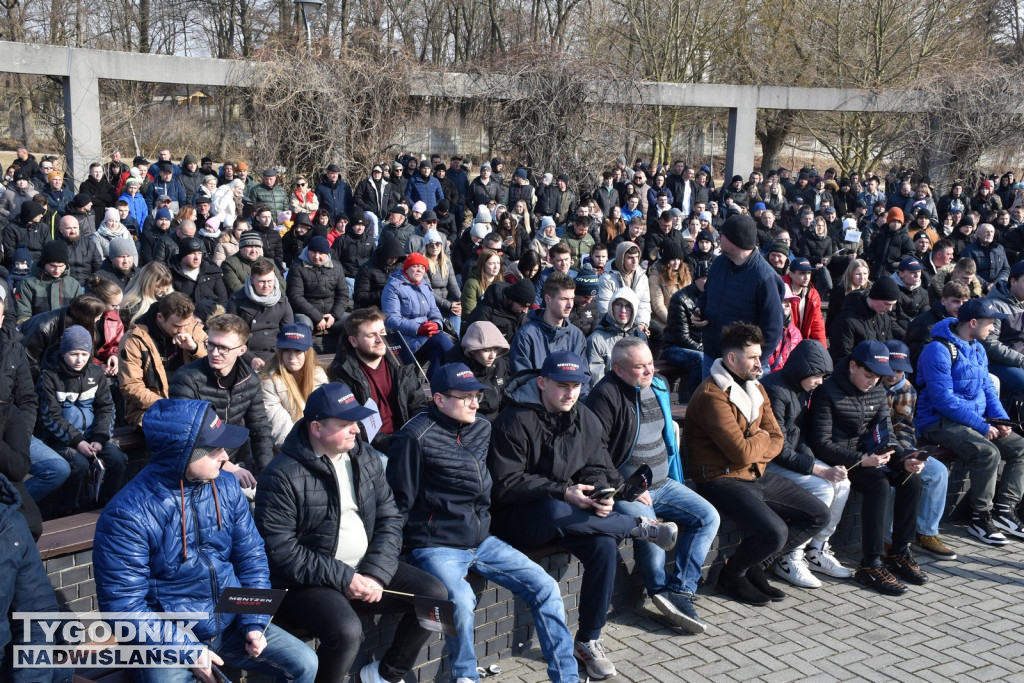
[504,305]
[789,390]
[372,277]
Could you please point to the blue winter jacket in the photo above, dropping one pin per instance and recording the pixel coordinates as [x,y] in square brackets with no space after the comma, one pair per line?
[961,391]
[137,208]
[536,339]
[336,198]
[408,306]
[746,293]
[167,544]
[423,190]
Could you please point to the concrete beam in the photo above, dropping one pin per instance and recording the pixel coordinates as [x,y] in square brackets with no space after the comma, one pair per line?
[82,129]
[739,147]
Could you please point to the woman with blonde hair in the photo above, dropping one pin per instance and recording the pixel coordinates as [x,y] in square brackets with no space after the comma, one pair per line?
[186,212]
[854,279]
[485,273]
[152,282]
[441,278]
[303,198]
[290,376]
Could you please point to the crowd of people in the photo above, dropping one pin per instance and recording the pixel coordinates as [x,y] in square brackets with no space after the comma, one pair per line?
[492,339]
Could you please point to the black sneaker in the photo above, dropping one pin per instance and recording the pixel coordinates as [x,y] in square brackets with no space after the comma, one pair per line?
[678,608]
[983,528]
[876,576]
[760,582]
[740,588]
[1005,519]
[905,566]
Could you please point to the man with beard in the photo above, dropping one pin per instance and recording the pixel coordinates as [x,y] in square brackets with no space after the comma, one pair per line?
[119,266]
[259,302]
[84,258]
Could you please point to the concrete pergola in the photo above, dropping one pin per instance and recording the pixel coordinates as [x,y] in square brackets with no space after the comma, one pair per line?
[81,70]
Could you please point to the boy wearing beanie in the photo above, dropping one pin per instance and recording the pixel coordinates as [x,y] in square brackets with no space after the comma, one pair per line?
[52,288]
[76,415]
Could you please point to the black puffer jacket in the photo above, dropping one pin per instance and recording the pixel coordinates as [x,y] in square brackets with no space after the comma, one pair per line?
[840,416]
[316,290]
[18,407]
[241,405]
[495,377]
[919,332]
[372,277]
[494,307]
[352,251]
[410,397]
[40,332]
[789,402]
[437,468]
[264,322]
[536,454]
[910,303]
[886,248]
[678,331]
[32,236]
[297,512]
[273,248]
[814,246]
[855,323]
[84,259]
[207,289]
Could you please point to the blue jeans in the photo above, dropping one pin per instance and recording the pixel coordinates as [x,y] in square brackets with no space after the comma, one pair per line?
[504,565]
[690,360]
[285,657]
[1011,380]
[49,470]
[934,479]
[698,523]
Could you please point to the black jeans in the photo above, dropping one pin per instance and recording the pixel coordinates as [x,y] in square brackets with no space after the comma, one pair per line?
[873,484]
[592,539]
[334,619]
[774,514]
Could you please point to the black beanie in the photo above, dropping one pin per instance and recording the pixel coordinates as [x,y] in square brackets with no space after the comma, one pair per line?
[523,292]
[670,249]
[29,210]
[884,290]
[54,252]
[741,230]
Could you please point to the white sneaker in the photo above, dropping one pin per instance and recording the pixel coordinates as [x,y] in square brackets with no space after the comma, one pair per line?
[371,673]
[824,562]
[793,568]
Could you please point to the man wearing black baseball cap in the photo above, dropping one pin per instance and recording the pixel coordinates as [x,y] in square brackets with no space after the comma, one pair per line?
[546,461]
[956,401]
[334,194]
[850,427]
[333,536]
[437,467]
[179,533]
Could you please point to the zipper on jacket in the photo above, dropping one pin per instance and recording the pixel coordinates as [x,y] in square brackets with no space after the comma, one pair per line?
[202,554]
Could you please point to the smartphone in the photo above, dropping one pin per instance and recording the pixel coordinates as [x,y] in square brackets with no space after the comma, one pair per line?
[601,494]
[218,675]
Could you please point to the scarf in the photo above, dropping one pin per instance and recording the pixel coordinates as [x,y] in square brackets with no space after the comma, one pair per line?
[745,397]
[548,241]
[266,301]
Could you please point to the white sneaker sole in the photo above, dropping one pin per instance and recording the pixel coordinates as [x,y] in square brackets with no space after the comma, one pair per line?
[987,540]
[793,580]
[1016,533]
[837,573]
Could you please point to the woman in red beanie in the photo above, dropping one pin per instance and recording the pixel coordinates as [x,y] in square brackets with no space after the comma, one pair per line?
[411,310]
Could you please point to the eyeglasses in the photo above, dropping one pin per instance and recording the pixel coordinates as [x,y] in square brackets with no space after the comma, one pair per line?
[468,400]
[301,184]
[217,348]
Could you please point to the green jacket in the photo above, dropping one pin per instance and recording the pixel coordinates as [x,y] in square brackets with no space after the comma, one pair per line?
[41,293]
[274,198]
[236,271]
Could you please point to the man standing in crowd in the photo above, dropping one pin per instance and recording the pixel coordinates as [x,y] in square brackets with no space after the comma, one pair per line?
[365,364]
[544,465]
[153,552]
[317,289]
[731,436]
[437,467]
[334,194]
[269,193]
[333,536]
[162,340]
[955,401]
[632,405]
[741,287]
[234,390]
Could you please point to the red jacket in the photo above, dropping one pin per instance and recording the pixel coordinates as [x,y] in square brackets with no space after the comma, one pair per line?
[812,326]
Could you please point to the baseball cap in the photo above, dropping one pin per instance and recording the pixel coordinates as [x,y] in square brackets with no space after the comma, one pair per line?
[564,366]
[874,355]
[295,336]
[216,433]
[974,309]
[334,400]
[899,356]
[454,376]
[801,264]
[910,263]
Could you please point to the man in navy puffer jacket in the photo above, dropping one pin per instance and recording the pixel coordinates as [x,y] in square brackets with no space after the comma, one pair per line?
[180,533]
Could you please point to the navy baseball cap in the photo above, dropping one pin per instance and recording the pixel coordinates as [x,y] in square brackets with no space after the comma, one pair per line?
[334,400]
[910,263]
[801,264]
[454,376]
[295,336]
[974,309]
[216,433]
[874,355]
[899,356]
[564,366]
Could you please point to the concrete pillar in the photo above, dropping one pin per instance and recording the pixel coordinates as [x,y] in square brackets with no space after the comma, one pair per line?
[739,146]
[81,119]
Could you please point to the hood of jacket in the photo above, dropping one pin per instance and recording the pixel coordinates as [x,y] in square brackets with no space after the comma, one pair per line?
[483,334]
[1001,292]
[609,322]
[171,428]
[620,251]
[523,390]
[810,357]
[304,257]
[388,248]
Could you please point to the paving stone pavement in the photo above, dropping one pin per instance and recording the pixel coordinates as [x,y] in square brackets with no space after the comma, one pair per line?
[965,624]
